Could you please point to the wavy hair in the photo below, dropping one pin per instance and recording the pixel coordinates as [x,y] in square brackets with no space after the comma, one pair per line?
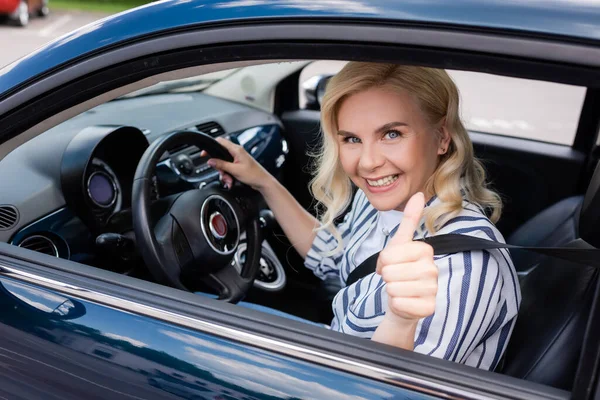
[458,175]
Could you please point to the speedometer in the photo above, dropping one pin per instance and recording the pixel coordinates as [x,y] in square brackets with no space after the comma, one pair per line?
[102,189]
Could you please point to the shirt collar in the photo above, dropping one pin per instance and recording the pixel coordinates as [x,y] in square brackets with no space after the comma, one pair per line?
[389,220]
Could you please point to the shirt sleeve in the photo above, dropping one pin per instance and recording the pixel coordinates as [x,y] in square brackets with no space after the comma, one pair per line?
[474,315]
[322,265]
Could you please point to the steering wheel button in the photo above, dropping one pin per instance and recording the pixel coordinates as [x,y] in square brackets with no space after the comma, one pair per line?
[218,225]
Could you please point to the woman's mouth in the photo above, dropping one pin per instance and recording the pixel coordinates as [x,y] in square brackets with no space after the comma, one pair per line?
[382,182]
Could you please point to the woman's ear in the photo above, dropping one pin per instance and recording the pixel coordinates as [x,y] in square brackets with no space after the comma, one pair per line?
[444,138]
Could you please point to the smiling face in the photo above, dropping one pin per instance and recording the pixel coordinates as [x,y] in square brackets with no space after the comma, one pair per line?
[387,147]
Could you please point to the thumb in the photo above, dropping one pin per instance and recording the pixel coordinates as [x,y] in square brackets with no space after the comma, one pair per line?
[410,222]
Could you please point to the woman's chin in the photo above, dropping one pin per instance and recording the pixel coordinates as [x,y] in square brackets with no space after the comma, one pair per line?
[387,206]
[392,201]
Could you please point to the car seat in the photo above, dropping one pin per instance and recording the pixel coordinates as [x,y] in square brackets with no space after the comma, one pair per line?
[557,295]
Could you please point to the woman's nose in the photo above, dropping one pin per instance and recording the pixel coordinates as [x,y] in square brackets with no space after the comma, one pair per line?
[370,157]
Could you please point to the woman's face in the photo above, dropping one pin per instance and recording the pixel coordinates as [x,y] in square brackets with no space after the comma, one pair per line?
[387,146]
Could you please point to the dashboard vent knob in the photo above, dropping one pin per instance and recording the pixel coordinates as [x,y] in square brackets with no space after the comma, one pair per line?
[9,216]
[41,244]
[211,128]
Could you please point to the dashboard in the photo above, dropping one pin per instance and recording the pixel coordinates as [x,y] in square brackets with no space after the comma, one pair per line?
[73,183]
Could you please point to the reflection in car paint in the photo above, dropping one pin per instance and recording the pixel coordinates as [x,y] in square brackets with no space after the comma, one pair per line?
[128,356]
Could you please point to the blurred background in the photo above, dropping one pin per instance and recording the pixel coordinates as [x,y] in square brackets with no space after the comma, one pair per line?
[32,23]
[107,6]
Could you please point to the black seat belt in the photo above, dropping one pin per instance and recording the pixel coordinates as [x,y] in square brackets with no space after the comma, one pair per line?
[580,252]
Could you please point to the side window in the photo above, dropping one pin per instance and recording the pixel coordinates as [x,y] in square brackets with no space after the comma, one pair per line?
[521,108]
[501,105]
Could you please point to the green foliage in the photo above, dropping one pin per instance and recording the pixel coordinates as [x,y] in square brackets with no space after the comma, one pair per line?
[106,6]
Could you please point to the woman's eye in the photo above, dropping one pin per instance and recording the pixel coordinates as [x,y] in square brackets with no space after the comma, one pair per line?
[351,139]
[392,135]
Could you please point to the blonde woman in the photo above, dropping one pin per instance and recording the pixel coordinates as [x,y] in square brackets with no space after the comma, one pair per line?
[394,132]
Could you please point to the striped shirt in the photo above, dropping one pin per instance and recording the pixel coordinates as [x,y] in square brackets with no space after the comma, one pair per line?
[478,292]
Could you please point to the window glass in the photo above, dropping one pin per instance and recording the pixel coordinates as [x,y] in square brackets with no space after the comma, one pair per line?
[501,105]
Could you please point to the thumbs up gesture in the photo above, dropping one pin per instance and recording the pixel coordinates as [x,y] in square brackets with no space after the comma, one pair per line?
[408,269]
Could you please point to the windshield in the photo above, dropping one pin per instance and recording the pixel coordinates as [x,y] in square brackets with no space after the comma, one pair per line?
[193,84]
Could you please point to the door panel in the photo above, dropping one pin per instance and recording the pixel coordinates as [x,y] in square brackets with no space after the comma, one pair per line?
[529,175]
[55,346]
[72,331]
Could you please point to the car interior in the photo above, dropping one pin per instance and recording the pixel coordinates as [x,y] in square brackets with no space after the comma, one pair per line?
[76,186]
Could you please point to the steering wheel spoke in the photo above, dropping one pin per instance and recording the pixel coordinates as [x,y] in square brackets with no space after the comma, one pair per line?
[229,284]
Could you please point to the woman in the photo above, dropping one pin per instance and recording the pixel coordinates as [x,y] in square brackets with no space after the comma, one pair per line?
[394,132]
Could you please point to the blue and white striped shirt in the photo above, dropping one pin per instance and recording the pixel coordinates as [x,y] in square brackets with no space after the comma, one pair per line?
[478,291]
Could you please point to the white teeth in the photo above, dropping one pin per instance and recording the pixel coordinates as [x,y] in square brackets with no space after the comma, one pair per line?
[388,180]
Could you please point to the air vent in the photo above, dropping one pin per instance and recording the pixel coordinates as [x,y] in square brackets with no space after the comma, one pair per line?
[211,128]
[41,244]
[8,217]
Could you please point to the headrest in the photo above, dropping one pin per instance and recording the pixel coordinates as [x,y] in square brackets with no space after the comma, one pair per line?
[589,218]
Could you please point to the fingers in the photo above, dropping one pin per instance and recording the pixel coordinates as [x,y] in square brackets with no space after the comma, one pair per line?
[410,221]
[420,270]
[223,165]
[226,179]
[220,165]
[404,253]
[412,289]
[231,147]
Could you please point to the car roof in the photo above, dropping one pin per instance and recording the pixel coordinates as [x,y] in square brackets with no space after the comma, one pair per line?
[576,20]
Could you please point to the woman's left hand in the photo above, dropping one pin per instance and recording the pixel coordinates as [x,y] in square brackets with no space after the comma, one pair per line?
[408,269]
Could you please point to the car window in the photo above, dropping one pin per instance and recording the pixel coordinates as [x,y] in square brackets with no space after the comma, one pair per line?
[502,105]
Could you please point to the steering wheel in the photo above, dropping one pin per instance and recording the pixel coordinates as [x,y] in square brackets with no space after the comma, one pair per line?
[196,239]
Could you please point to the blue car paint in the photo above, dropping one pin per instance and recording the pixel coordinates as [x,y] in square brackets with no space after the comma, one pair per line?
[59,347]
[575,19]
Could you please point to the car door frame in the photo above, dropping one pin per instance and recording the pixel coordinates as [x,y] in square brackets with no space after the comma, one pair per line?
[24,111]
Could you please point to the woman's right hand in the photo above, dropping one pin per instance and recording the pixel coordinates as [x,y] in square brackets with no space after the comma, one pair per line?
[244,167]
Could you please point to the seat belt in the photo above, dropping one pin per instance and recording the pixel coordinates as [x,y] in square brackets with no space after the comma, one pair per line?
[581,252]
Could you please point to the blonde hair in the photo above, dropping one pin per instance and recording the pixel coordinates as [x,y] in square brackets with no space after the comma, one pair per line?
[458,174]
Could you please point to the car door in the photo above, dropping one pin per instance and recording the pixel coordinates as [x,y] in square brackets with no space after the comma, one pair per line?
[139,339]
[69,336]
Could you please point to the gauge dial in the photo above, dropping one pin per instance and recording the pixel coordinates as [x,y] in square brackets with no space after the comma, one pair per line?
[103,187]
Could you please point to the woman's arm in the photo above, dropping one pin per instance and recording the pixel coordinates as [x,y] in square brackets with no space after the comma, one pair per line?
[297,223]
[396,332]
